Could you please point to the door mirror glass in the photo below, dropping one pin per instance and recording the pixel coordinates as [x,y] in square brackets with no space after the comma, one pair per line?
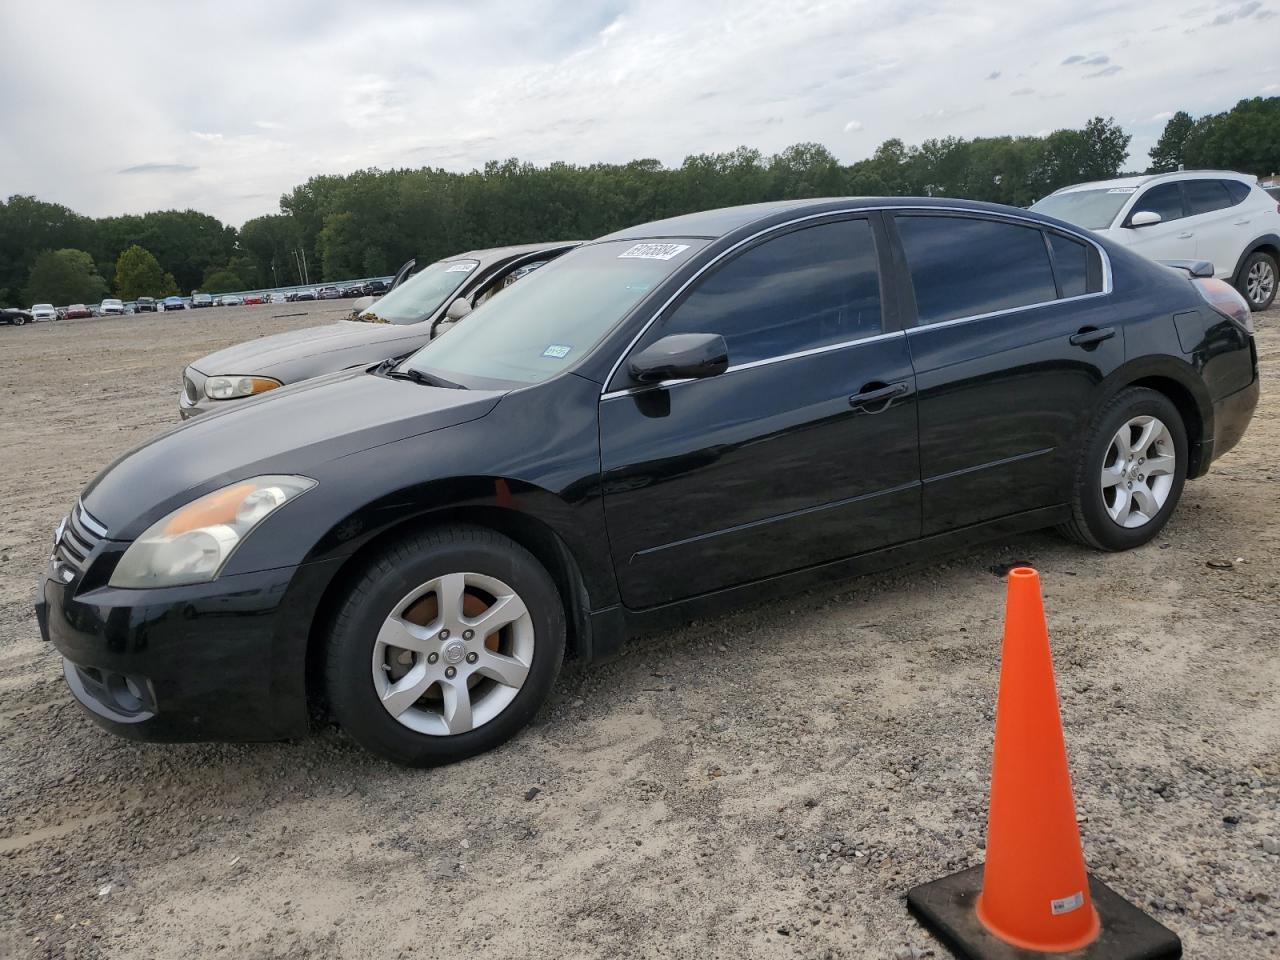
[458,309]
[1145,218]
[681,356]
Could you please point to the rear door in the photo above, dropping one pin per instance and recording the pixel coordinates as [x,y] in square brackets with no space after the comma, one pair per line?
[1170,239]
[1010,341]
[1218,224]
[804,451]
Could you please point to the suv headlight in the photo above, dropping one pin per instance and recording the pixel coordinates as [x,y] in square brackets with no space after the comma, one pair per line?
[229,388]
[192,544]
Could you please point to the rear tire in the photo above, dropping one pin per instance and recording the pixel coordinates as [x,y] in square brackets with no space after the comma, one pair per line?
[1130,472]
[1258,280]
[446,646]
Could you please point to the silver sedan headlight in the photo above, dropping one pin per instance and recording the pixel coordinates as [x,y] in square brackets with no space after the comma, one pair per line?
[230,388]
[192,544]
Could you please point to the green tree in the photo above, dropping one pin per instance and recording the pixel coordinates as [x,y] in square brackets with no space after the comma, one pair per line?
[1169,151]
[222,281]
[138,274]
[1244,138]
[65,276]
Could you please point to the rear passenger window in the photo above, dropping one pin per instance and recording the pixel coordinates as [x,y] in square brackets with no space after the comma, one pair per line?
[1070,264]
[809,288]
[1206,196]
[962,267]
[1164,199]
[1237,191]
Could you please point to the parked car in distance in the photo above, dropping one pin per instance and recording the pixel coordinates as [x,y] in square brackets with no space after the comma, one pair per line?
[254,299]
[1218,216]
[305,295]
[76,311]
[173,303]
[199,300]
[406,318]
[328,293]
[353,290]
[231,300]
[277,297]
[44,311]
[15,316]
[722,407]
[111,308]
[146,305]
[375,287]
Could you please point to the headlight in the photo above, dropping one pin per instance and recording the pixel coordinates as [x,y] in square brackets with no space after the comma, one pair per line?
[192,544]
[229,388]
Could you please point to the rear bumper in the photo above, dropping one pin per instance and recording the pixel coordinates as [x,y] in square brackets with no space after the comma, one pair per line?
[218,661]
[1231,416]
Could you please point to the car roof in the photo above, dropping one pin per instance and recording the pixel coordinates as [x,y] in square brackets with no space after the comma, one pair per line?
[504,253]
[1144,179]
[713,224]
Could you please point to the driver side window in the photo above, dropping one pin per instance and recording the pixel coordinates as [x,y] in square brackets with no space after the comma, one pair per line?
[1164,199]
[812,287]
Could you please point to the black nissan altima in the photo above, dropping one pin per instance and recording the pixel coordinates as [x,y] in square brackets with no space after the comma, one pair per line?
[680,415]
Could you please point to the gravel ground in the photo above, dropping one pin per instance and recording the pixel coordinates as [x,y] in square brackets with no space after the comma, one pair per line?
[767,784]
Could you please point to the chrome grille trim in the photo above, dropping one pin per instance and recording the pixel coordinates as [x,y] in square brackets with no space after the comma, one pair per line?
[81,535]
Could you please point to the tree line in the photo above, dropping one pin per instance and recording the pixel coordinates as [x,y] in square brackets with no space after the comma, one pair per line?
[369,222]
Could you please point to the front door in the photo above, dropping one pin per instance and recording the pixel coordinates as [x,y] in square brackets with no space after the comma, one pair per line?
[804,451]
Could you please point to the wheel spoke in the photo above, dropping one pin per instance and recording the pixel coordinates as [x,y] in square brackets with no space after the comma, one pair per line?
[1112,475]
[1119,510]
[407,636]
[508,671]
[457,705]
[504,610]
[449,590]
[1121,443]
[1144,501]
[404,693]
[1156,466]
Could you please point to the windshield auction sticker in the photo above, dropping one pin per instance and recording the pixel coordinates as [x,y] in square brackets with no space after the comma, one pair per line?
[1123,190]
[460,268]
[557,351]
[653,251]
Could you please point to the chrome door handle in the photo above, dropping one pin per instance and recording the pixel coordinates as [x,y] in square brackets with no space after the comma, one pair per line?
[1089,337]
[859,401]
[1241,223]
[1185,236]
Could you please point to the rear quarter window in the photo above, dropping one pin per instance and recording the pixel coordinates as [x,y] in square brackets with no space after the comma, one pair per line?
[1071,265]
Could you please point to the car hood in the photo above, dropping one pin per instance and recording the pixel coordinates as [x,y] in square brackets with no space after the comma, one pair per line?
[288,431]
[258,356]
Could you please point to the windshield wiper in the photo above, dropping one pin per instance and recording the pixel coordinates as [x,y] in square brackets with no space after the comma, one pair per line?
[419,377]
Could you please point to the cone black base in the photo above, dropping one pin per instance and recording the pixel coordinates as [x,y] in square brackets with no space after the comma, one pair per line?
[946,908]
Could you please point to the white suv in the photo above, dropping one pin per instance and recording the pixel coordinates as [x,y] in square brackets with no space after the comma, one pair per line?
[1214,215]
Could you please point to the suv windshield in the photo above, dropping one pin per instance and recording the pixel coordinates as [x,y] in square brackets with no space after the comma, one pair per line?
[420,295]
[556,315]
[1091,209]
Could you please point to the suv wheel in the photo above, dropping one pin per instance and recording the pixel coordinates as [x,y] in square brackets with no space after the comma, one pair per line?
[445,647]
[1257,280]
[1130,472]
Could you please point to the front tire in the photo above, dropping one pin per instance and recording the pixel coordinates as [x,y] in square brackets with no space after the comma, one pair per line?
[1258,279]
[1130,472]
[445,647]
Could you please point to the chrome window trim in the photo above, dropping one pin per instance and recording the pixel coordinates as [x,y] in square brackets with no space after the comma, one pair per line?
[751,364]
[1106,290]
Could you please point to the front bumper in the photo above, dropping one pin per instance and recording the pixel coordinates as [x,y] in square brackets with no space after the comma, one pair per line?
[218,661]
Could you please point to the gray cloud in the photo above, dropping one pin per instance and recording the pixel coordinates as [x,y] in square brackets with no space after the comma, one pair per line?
[1022,92]
[993,75]
[159,168]
[1241,12]
[1074,58]
[1096,60]
[1104,72]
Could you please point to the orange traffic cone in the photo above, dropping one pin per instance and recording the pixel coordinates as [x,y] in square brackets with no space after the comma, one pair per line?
[1033,896]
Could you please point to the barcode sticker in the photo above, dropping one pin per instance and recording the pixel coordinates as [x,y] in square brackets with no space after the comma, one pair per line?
[460,268]
[1067,904]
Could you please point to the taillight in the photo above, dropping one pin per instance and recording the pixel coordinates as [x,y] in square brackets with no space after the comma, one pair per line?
[1225,299]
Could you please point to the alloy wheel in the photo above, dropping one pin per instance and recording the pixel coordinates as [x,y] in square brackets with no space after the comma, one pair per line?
[1138,471]
[453,654]
[1261,282]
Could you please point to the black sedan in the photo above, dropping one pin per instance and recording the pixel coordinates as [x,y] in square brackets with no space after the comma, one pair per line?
[16,317]
[719,407]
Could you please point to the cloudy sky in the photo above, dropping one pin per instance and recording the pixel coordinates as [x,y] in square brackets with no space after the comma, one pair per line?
[222,106]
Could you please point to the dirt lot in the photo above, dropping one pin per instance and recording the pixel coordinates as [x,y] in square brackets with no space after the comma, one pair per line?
[766,784]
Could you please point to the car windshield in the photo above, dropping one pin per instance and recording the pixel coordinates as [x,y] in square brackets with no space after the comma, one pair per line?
[421,295]
[555,315]
[1091,209]
[43,306]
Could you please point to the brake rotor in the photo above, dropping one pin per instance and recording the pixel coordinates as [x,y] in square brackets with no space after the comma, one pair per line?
[425,611]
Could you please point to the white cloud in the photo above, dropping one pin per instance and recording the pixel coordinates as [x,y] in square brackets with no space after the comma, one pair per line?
[285,96]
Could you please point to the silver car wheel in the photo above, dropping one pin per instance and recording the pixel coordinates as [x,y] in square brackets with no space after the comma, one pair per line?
[1261,282]
[1138,471]
[453,654]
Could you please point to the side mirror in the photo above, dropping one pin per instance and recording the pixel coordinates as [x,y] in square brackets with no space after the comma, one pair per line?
[458,309]
[362,304]
[681,356]
[1145,218]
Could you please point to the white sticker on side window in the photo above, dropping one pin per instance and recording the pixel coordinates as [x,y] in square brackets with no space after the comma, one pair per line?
[1123,190]
[653,251]
[460,268]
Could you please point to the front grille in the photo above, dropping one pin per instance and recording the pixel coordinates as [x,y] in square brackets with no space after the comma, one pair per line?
[81,534]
